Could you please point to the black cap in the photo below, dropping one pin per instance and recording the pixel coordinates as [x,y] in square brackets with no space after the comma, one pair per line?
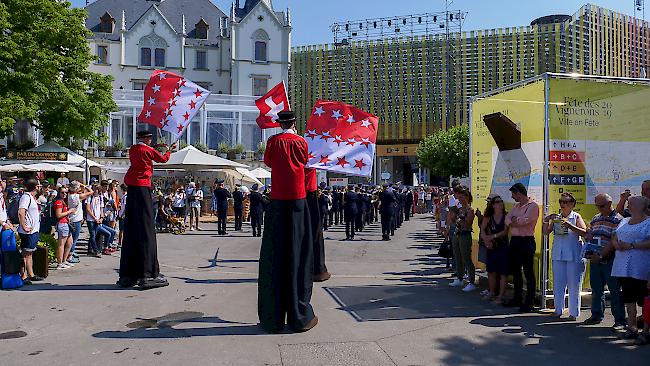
[286,117]
[323,184]
[519,188]
[255,187]
[143,134]
[219,181]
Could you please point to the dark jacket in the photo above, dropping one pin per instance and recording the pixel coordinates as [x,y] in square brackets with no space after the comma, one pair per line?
[257,206]
[387,200]
[238,198]
[222,196]
[351,203]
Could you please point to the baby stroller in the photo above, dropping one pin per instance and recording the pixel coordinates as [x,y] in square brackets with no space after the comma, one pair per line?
[176,225]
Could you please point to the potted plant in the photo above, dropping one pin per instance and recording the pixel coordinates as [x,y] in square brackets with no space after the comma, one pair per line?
[118,148]
[201,147]
[239,151]
[261,149]
[222,149]
[101,149]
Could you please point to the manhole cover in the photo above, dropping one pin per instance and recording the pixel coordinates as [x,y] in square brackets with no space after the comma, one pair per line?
[13,334]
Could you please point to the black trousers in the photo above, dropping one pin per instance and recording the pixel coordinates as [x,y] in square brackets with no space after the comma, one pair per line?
[386,224]
[360,218]
[286,267]
[139,257]
[330,216]
[522,255]
[318,241]
[325,219]
[350,226]
[256,223]
[238,218]
[407,213]
[223,218]
[337,216]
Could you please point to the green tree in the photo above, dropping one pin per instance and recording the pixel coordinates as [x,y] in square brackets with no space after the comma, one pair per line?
[446,153]
[44,77]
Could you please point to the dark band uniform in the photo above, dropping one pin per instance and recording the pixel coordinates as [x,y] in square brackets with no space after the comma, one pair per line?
[315,216]
[257,211]
[139,259]
[387,211]
[351,210]
[238,206]
[221,195]
[286,257]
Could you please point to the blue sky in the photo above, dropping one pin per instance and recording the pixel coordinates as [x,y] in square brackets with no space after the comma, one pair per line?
[312,18]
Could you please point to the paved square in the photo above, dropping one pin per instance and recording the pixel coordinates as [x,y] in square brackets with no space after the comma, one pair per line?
[387,303]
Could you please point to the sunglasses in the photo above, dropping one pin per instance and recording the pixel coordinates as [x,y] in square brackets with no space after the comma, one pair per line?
[602,206]
[565,201]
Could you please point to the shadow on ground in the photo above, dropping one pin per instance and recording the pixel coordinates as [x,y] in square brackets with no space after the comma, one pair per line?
[538,340]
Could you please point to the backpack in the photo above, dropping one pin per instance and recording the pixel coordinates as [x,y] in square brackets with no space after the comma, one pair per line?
[11,263]
[12,209]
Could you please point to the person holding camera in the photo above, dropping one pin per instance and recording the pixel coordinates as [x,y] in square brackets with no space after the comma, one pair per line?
[568,264]
[600,253]
[194,198]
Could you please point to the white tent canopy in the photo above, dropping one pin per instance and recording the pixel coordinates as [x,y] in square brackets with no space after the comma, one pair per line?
[190,158]
[73,158]
[246,176]
[260,173]
[12,168]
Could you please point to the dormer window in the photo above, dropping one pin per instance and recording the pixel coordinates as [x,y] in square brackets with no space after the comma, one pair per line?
[201,29]
[106,23]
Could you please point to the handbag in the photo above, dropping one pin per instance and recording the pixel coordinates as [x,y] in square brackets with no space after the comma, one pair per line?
[482,251]
[445,250]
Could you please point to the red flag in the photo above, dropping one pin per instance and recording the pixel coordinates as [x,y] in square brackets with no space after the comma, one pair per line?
[270,105]
[341,138]
[171,101]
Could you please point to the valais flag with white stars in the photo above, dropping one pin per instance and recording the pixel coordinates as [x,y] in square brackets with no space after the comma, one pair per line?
[341,138]
[171,101]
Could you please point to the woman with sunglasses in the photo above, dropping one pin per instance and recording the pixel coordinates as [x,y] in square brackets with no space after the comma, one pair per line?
[568,264]
[61,212]
[494,233]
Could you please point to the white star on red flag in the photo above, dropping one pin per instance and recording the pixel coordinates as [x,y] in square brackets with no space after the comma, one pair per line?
[166,90]
[344,146]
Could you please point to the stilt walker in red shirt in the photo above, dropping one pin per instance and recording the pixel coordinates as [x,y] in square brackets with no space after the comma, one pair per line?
[286,258]
[139,260]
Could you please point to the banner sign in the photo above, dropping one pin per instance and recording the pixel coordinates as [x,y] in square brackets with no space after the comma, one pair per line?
[36,155]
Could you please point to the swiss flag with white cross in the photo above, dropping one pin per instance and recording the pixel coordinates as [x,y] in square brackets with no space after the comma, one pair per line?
[270,105]
[341,138]
[171,101]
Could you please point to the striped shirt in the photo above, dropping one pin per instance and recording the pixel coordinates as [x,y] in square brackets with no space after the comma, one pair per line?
[605,226]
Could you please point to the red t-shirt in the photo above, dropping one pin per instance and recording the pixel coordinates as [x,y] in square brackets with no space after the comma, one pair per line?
[286,154]
[64,207]
[142,157]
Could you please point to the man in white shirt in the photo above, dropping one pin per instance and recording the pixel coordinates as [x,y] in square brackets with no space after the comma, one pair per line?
[29,217]
[63,181]
[4,220]
[78,194]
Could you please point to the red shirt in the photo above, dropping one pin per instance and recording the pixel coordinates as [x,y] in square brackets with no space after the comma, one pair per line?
[286,154]
[61,204]
[142,157]
[310,180]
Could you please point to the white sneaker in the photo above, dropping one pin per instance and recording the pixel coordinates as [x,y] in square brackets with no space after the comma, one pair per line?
[68,264]
[62,266]
[456,283]
[470,287]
